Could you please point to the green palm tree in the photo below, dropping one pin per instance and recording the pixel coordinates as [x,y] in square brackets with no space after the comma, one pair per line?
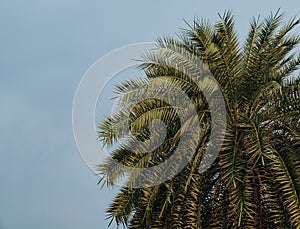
[255,180]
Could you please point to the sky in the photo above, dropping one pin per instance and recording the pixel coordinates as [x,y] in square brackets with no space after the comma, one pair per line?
[45,49]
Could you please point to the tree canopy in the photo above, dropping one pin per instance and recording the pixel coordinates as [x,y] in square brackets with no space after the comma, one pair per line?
[255,180]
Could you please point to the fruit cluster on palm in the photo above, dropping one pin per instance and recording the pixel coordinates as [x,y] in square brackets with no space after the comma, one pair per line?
[255,180]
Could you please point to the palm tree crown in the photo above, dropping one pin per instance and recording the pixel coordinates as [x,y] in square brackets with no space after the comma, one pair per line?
[255,180]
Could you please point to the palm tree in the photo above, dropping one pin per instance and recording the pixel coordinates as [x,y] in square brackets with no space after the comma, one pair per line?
[255,180]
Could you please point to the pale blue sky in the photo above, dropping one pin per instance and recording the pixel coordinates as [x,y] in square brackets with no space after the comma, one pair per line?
[45,48]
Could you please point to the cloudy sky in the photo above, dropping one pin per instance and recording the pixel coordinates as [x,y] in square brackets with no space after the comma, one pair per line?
[45,49]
